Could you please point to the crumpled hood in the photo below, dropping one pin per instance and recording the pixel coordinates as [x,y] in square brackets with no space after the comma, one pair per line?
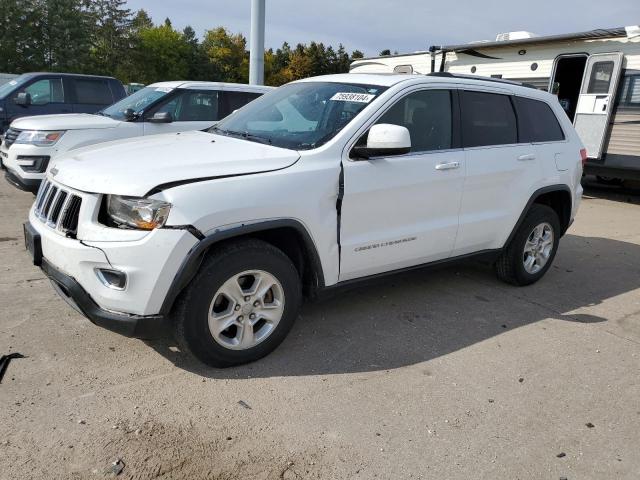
[64,121]
[136,166]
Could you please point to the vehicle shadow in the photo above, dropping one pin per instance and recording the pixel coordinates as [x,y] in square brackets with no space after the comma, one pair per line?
[408,318]
[627,192]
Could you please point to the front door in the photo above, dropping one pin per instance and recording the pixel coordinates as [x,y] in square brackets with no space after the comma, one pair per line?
[189,109]
[400,211]
[48,96]
[597,96]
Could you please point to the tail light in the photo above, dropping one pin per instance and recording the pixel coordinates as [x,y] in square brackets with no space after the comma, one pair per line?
[583,155]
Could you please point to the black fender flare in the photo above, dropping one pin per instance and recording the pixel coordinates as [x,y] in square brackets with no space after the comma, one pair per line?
[191,263]
[531,201]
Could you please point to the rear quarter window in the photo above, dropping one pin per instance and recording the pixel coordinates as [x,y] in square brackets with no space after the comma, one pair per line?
[93,92]
[537,122]
[487,119]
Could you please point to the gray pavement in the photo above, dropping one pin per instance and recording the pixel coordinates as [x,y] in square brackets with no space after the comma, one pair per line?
[445,374]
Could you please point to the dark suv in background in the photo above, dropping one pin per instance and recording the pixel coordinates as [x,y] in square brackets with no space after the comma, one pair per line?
[49,93]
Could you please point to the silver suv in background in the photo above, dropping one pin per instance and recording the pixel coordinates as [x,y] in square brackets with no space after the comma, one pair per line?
[31,143]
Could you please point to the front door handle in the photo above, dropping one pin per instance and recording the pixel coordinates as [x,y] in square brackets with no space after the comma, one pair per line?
[448,166]
[529,156]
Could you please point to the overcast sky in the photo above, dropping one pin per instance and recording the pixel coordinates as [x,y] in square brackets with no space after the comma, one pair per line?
[403,25]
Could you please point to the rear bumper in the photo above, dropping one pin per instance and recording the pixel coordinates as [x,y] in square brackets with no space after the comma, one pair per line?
[129,325]
[26,184]
[604,170]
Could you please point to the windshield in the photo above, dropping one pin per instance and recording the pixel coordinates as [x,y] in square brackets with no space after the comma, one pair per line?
[136,102]
[7,88]
[299,116]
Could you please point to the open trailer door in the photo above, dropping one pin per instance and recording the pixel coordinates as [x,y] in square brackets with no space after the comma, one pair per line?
[597,96]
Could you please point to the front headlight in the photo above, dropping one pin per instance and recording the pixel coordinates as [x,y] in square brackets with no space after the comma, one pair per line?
[40,138]
[142,213]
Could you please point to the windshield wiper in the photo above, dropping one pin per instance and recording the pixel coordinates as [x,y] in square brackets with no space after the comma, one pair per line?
[246,135]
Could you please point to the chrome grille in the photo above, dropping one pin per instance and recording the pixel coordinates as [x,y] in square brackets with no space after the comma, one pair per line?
[10,136]
[58,208]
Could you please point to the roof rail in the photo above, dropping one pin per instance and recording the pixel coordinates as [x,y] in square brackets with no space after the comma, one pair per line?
[478,77]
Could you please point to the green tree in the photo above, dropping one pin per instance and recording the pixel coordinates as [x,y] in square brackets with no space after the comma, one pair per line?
[199,67]
[161,54]
[20,36]
[385,53]
[227,55]
[111,36]
[64,35]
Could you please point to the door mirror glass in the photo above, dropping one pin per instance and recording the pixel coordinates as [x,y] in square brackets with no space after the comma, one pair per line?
[23,99]
[130,114]
[385,139]
[161,117]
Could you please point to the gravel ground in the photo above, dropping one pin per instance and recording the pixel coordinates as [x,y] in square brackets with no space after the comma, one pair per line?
[445,374]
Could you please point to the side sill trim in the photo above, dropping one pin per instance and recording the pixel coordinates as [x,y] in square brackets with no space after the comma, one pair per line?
[488,256]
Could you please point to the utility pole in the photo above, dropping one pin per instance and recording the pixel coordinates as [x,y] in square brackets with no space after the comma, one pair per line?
[256,48]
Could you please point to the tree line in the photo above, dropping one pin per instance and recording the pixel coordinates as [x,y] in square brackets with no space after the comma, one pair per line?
[104,37]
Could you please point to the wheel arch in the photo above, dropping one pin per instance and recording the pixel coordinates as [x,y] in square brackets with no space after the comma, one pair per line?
[558,197]
[288,235]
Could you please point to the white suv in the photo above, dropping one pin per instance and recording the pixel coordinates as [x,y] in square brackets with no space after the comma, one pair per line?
[31,143]
[319,183]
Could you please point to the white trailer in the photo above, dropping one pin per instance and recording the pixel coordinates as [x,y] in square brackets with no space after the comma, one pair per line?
[595,74]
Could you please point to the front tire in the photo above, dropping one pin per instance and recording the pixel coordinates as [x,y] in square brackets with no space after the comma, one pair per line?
[240,306]
[531,251]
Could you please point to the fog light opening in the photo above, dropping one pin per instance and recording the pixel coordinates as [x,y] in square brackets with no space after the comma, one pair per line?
[112,278]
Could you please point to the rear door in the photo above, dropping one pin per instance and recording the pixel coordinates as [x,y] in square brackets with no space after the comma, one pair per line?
[91,94]
[595,103]
[189,109]
[500,170]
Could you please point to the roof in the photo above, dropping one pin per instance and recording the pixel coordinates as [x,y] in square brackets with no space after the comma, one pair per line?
[390,79]
[382,79]
[211,85]
[587,35]
[33,74]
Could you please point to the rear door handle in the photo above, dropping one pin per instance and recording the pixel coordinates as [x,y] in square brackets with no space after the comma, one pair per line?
[448,166]
[529,156]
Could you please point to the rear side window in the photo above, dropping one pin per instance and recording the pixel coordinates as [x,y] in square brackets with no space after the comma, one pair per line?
[537,122]
[487,119]
[427,116]
[93,92]
[234,100]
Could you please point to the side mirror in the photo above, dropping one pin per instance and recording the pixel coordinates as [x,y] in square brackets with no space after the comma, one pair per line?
[129,114]
[161,117]
[385,140]
[23,99]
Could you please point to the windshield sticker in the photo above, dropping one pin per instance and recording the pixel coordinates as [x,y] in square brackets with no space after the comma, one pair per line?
[352,97]
[163,89]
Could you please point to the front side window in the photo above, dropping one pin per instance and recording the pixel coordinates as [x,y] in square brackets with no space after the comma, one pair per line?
[600,79]
[136,103]
[537,122]
[191,106]
[300,116]
[93,92]
[46,91]
[427,116]
[487,119]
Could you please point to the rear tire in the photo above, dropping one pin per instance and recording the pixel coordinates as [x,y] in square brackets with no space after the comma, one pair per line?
[532,249]
[231,289]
